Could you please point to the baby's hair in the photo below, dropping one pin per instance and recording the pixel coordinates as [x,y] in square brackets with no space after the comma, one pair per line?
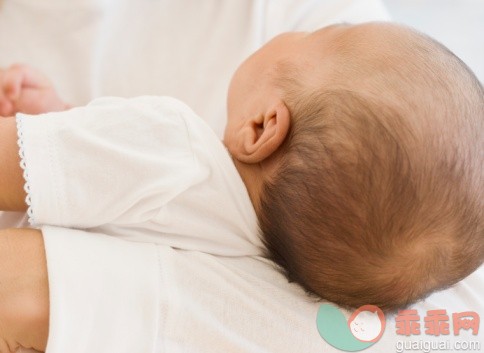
[379,194]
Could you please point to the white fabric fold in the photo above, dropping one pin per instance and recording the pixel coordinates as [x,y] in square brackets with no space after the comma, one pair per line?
[103,293]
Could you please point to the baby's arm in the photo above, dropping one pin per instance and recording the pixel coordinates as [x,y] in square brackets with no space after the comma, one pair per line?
[22,89]
[12,194]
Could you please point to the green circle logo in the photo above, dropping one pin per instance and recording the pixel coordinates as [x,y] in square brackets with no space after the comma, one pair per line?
[362,330]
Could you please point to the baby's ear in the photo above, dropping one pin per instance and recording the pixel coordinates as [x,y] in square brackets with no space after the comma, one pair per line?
[262,135]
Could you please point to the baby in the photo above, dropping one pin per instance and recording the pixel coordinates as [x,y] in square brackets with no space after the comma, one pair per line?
[360,148]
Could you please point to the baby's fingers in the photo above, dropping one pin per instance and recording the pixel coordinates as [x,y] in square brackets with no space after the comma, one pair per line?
[38,101]
[19,76]
[6,108]
[12,81]
[5,104]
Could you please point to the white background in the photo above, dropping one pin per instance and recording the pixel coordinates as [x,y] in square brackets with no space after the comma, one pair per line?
[458,24]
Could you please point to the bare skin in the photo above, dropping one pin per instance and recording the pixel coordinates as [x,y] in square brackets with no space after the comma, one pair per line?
[24,290]
[12,196]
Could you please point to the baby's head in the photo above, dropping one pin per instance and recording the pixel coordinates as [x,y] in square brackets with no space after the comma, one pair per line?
[362,151]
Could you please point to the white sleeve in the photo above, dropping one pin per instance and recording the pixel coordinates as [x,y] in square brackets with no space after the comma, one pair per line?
[113,161]
[103,293]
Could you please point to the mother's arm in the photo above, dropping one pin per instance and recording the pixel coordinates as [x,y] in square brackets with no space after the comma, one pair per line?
[24,290]
[105,292]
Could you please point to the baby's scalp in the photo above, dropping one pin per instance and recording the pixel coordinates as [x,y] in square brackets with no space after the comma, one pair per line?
[378,197]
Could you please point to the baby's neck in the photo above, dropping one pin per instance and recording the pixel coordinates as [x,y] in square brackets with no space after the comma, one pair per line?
[252,176]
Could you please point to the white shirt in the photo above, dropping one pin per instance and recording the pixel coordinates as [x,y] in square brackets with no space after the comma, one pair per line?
[150,171]
[144,169]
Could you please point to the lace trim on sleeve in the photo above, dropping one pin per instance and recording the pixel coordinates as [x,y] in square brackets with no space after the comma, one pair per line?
[23,165]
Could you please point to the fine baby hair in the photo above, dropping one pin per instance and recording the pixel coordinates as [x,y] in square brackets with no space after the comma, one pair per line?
[379,193]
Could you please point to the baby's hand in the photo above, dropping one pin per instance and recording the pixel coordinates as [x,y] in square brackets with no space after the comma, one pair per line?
[25,90]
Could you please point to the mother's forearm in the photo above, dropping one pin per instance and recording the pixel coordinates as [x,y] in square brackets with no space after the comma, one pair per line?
[12,194]
[24,290]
